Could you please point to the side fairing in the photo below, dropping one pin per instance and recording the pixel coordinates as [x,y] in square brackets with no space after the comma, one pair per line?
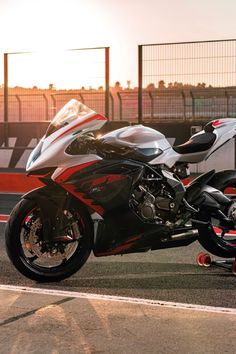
[101,185]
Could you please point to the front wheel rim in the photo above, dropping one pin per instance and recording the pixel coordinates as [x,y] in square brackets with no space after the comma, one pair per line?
[31,246]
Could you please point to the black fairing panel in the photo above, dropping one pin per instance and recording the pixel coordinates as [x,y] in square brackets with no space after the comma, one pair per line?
[109,184]
[110,150]
[193,190]
[202,190]
[122,225]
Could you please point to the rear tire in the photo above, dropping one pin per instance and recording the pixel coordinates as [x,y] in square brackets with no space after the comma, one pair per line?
[213,243]
[207,236]
[24,258]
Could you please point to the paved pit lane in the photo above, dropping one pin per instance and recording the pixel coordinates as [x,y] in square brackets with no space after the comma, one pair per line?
[172,303]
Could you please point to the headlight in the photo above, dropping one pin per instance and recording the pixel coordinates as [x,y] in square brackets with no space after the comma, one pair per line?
[34,154]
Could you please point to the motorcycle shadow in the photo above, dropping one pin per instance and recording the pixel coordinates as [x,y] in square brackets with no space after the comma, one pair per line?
[120,277]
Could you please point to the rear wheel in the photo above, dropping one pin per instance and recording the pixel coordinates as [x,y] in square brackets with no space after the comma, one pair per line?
[217,237]
[44,261]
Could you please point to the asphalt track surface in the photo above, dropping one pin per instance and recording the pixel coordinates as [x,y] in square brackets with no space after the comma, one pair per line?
[165,275]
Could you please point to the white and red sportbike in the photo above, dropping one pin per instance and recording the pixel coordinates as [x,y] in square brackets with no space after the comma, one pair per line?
[118,194]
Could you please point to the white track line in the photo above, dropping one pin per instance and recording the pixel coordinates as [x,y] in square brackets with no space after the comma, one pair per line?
[130,300]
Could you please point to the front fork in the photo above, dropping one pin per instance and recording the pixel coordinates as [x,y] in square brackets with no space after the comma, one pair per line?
[51,204]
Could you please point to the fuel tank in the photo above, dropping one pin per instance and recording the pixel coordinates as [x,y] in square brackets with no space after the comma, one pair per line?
[137,136]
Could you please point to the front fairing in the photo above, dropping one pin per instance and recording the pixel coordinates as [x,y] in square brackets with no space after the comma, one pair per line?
[73,120]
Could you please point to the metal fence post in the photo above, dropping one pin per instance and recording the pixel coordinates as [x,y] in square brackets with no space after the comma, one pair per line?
[107,80]
[184,104]
[193,104]
[152,105]
[120,105]
[46,106]
[6,99]
[20,107]
[140,84]
[227,103]
[81,97]
[54,108]
[112,106]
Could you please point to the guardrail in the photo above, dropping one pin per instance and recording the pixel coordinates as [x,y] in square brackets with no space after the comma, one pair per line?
[41,107]
[178,104]
[158,105]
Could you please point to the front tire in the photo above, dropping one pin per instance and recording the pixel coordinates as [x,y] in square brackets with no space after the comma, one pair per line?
[24,244]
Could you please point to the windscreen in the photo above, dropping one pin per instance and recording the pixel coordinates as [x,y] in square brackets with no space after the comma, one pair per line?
[73,110]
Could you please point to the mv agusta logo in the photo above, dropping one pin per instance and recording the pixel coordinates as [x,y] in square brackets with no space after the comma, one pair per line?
[97,185]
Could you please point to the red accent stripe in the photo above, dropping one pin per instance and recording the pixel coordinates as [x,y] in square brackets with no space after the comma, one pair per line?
[106,179]
[218,231]
[186,181]
[4,218]
[81,196]
[216,123]
[90,119]
[134,238]
[61,179]
[230,190]
[117,250]
[69,172]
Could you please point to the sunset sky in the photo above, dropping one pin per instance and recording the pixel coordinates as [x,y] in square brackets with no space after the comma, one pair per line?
[29,25]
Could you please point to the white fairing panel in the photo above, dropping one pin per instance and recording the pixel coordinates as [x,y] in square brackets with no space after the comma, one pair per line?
[168,158]
[225,129]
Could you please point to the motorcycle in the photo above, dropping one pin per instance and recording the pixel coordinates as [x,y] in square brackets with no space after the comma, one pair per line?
[116,194]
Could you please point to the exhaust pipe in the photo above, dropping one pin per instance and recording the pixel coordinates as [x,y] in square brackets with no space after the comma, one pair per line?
[185,235]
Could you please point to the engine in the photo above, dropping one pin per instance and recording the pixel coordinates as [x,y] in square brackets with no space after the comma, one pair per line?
[153,201]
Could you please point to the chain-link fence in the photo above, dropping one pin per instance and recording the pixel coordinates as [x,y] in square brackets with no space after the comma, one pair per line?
[187,80]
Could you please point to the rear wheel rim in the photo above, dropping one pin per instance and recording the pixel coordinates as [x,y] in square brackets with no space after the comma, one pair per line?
[225,238]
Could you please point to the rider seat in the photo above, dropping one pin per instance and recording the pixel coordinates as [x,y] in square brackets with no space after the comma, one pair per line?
[197,143]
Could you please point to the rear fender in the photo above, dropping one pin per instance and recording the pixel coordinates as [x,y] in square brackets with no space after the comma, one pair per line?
[223,179]
[203,190]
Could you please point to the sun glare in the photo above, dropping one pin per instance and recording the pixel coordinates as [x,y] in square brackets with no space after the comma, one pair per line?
[48,28]
[62,69]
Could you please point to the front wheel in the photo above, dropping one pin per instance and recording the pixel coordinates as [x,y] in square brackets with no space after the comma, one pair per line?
[40,260]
